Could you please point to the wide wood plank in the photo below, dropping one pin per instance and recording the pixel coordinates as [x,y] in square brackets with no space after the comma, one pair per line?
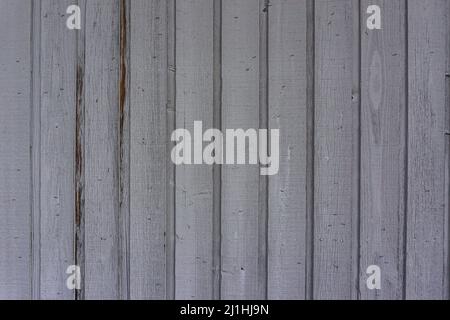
[427,217]
[336,147]
[287,112]
[15,133]
[101,278]
[148,97]
[58,65]
[240,183]
[194,183]
[383,153]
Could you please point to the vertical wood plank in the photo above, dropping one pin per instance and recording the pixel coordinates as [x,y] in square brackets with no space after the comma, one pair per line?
[383,150]
[194,183]
[336,147]
[427,262]
[287,112]
[101,149]
[58,106]
[15,134]
[148,63]
[240,183]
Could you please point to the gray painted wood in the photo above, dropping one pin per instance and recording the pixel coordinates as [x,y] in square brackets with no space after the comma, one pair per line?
[427,123]
[58,59]
[194,183]
[287,112]
[102,56]
[240,183]
[383,150]
[15,175]
[85,170]
[148,184]
[336,166]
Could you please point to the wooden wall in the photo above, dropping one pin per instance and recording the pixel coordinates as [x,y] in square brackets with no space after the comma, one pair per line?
[86,177]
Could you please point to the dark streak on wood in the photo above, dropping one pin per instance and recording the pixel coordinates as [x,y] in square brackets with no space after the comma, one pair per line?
[122,162]
[123,65]
[79,157]
[79,172]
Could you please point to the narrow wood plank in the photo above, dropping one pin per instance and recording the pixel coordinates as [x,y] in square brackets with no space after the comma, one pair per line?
[287,112]
[101,150]
[383,99]
[336,147]
[427,215]
[194,183]
[148,97]
[240,183]
[58,65]
[15,134]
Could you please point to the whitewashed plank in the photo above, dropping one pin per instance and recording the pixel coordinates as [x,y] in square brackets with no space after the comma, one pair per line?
[383,150]
[15,134]
[194,183]
[427,262]
[287,112]
[240,183]
[148,97]
[336,147]
[102,56]
[58,105]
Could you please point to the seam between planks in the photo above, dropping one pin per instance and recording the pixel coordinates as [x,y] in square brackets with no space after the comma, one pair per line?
[357,90]
[170,174]
[217,170]
[406,167]
[310,65]
[35,139]
[263,124]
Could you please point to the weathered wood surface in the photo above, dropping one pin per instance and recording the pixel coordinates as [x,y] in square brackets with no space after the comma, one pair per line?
[336,150]
[287,225]
[383,149]
[427,175]
[56,167]
[194,183]
[86,177]
[15,133]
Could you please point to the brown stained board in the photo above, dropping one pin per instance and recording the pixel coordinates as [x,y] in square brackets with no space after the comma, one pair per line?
[15,175]
[287,112]
[336,147]
[148,96]
[240,183]
[427,218]
[58,65]
[194,183]
[383,150]
[102,56]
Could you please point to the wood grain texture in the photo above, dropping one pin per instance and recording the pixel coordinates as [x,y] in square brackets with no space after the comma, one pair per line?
[86,176]
[336,122]
[148,72]
[194,183]
[15,133]
[287,112]
[427,217]
[383,150]
[57,159]
[101,150]
[240,183]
